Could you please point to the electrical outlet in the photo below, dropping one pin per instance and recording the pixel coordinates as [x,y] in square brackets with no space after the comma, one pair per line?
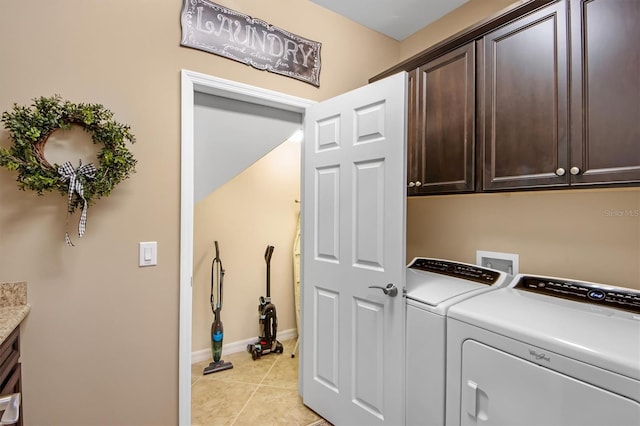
[506,262]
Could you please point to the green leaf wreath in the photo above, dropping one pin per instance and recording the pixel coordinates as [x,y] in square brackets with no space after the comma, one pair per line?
[30,127]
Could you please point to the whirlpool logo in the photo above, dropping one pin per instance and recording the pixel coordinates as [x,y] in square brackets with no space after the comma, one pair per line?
[539,356]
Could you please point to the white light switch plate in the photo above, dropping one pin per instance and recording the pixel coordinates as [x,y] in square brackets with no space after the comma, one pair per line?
[148,253]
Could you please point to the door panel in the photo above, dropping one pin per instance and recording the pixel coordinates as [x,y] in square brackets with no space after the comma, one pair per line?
[354,237]
[414,149]
[327,226]
[605,59]
[525,102]
[368,220]
[370,123]
[328,133]
[446,96]
[327,344]
[368,356]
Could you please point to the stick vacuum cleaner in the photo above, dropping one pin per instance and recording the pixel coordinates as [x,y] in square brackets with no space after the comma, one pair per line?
[217,331]
[267,342]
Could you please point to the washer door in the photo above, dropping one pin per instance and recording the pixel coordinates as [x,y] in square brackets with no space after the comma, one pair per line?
[501,389]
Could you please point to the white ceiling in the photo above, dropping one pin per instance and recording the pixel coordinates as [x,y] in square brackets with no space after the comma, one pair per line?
[396,18]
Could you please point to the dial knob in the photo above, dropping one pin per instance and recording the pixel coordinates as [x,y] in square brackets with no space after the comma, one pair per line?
[560,171]
[574,170]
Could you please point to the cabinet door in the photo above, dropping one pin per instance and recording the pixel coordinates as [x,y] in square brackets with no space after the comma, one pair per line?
[10,368]
[446,114]
[605,138]
[525,102]
[414,149]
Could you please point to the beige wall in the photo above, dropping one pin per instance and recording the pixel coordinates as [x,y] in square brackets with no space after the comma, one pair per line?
[255,209]
[572,233]
[100,346]
[586,234]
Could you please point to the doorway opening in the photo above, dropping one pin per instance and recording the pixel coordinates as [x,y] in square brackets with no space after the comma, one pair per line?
[191,84]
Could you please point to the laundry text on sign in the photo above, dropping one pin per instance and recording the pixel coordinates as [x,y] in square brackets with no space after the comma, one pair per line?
[215,29]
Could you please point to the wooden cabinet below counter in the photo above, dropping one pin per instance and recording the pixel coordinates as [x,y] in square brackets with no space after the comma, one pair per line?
[10,368]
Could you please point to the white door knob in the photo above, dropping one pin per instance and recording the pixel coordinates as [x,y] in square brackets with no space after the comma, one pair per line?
[560,171]
[411,184]
[574,170]
[418,183]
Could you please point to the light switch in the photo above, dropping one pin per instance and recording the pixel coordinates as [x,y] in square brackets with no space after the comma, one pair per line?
[148,253]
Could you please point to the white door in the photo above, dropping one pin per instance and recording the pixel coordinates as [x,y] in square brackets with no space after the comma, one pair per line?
[354,198]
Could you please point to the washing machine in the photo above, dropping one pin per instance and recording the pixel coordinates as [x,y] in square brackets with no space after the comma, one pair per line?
[545,351]
[432,287]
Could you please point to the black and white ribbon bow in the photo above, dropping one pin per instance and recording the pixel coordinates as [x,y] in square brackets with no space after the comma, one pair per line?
[75,178]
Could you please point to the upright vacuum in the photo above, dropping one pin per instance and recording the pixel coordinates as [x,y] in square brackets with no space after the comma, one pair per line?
[267,342]
[217,331]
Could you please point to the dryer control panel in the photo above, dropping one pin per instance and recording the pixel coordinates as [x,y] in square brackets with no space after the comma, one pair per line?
[611,297]
[458,270]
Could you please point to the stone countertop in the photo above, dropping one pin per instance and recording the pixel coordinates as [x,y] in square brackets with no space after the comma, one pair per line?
[13,307]
[10,318]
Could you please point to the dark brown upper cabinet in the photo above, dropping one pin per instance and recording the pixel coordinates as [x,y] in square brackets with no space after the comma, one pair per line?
[524,102]
[560,111]
[605,91]
[442,122]
[545,95]
[414,150]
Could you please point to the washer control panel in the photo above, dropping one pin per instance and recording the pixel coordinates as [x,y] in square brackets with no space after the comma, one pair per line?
[458,270]
[612,297]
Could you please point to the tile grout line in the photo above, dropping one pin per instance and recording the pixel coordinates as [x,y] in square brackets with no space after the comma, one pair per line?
[254,392]
[245,405]
[261,384]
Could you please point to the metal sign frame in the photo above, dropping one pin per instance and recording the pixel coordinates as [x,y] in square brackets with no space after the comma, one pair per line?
[216,29]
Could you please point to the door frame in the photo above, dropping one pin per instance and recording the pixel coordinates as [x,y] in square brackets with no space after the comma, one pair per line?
[192,82]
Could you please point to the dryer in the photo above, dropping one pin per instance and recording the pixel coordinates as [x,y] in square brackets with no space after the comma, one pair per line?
[432,287]
[545,351]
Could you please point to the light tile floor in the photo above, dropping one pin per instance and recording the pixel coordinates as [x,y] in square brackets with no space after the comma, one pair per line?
[264,391]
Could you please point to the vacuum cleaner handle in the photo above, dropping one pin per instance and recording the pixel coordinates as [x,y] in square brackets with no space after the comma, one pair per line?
[219,277]
[268,253]
[267,259]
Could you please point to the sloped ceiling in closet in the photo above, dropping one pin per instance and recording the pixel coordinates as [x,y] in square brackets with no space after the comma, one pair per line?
[230,135]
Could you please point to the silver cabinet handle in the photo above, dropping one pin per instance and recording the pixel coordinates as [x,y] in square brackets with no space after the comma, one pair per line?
[560,172]
[574,170]
[391,290]
[11,406]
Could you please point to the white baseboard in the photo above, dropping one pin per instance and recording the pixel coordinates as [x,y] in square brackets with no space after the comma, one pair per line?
[240,346]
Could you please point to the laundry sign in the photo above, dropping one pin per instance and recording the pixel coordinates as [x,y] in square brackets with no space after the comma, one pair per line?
[213,28]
